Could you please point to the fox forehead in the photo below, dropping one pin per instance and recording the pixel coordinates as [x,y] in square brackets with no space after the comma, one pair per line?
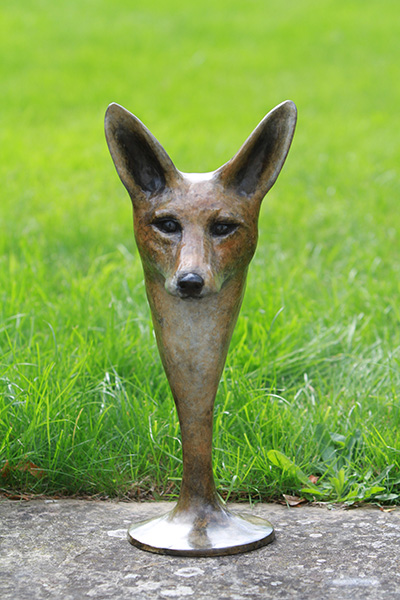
[199,198]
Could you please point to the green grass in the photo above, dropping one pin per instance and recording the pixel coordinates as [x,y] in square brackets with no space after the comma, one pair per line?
[311,385]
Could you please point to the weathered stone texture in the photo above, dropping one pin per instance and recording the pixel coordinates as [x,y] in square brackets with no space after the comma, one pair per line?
[74,549]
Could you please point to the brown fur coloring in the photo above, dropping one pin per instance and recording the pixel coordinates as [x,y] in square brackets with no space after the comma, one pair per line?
[196,235]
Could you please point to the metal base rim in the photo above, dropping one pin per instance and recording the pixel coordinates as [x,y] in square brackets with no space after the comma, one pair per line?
[230,533]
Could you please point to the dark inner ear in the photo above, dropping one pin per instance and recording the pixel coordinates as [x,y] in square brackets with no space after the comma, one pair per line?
[256,161]
[141,161]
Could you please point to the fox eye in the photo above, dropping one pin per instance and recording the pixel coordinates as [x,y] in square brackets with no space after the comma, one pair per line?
[168,226]
[221,229]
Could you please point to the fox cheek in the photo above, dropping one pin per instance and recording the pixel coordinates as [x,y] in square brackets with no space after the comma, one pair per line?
[232,259]
[158,262]
[156,253]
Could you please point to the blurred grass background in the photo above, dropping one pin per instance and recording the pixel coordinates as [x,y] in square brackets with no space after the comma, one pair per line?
[311,386]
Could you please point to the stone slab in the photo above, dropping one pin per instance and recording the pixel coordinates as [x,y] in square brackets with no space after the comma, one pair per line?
[77,549]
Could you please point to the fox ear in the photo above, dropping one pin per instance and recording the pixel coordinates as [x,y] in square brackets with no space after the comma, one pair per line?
[255,168]
[143,165]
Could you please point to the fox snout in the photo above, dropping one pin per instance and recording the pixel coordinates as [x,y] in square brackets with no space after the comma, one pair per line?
[190,285]
[188,259]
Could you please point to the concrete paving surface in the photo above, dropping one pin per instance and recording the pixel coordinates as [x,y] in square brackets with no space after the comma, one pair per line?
[76,549]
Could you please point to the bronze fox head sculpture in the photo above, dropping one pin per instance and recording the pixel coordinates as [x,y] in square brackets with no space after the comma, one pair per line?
[196,235]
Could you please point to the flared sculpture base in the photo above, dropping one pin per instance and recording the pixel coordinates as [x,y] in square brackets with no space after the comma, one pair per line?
[207,532]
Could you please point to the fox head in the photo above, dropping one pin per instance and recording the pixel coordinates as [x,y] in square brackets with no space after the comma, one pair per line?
[197,232]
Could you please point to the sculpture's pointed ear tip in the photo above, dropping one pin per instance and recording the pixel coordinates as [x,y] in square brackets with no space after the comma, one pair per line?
[290,108]
[112,108]
[115,111]
[111,111]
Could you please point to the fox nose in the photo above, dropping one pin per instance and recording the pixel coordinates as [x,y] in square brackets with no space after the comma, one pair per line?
[190,284]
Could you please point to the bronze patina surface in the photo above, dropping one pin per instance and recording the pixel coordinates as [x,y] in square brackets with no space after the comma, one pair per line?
[196,235]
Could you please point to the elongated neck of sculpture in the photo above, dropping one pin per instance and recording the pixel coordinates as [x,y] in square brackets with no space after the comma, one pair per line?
[193,338]
[198,481]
